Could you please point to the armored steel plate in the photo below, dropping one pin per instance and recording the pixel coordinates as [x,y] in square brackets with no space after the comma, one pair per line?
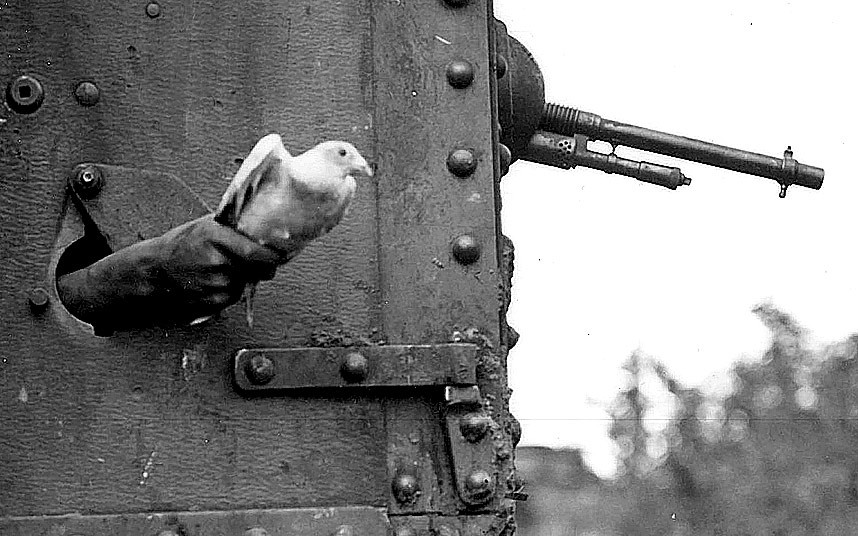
[165,99]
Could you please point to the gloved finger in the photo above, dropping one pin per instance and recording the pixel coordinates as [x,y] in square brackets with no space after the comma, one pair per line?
[237,245]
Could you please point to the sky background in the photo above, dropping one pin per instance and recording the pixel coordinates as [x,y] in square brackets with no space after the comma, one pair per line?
[606,265]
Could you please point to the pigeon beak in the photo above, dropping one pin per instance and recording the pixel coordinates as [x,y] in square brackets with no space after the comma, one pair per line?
[363,169]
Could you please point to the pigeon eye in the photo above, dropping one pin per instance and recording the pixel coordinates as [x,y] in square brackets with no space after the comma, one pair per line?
[342,152]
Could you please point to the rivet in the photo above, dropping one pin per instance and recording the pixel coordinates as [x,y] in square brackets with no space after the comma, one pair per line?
[474,426]
[515,431]
[39,299]
[88,181]
[405,488]
[447,530]
[153,10]
[256,531]
[87,94]
[344,530]
[500,66]
[260,370]
[456,3]
[461,162]
[460,73]
[479,487]
[354,368]
[24,94]
[505,158]
[466,249]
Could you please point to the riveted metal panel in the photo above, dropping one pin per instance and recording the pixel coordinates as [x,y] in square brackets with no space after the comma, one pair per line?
[150,421]
[423,207]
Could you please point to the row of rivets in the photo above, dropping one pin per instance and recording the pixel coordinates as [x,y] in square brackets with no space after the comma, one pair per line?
[462,162]
[342,530]
[406,488]
[249,532]
[260,369]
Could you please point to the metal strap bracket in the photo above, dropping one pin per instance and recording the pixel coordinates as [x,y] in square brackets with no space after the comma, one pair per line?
[469,433]
[279,369]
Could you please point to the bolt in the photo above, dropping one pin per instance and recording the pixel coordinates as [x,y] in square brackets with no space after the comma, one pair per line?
[24,94]
[479,487]
[87,94]
[460,73]
[153,10]
[354,368]
[405,488]
[461,162]
[39,299]
[260,370]
[505,158]
[474,426]
[500,66]
[466,249]
[456,3]
[89,181]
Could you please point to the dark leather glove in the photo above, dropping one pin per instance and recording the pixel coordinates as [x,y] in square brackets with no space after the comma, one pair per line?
[192,271]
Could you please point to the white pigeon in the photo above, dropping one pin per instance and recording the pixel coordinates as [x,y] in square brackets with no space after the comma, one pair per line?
[284,201]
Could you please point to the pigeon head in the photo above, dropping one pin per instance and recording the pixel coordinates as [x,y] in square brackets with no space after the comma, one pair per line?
[344,155]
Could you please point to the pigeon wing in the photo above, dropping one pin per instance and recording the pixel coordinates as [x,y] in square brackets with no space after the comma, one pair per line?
[262,164]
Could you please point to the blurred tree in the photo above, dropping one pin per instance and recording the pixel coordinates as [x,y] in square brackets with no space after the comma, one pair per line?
[774,456]
[627,427]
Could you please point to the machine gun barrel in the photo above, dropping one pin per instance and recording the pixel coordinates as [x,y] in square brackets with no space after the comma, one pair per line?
[584,126]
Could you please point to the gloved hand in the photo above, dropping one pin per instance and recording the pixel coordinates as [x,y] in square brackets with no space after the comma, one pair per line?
[191,271]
